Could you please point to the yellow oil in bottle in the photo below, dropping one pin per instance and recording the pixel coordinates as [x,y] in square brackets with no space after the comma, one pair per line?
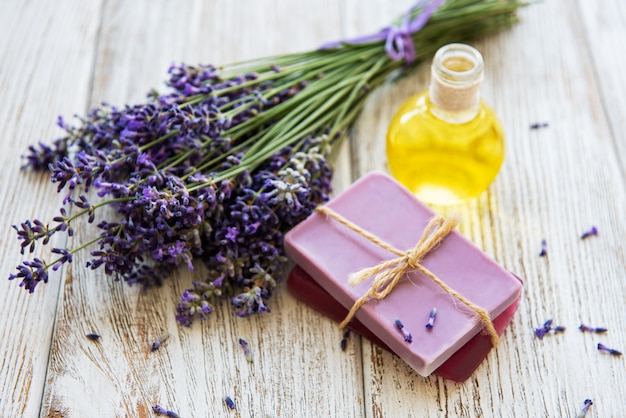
[450,151]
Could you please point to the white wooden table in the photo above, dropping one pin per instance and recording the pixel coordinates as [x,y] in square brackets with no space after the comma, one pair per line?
[563,64]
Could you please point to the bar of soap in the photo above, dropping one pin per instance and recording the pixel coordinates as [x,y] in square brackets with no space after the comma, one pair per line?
[459,367]
[329,252]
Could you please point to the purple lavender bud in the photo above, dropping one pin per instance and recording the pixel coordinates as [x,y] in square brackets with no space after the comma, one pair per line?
[93,337]
[431,318]
[344,340]
[542,331]
[229,402]
[538,125]
[407,335]
[597,330]
[159,341]
[592,232]
[246,350]
[544,248]
[159,410]
[558,328]
[611,351]
[586,405]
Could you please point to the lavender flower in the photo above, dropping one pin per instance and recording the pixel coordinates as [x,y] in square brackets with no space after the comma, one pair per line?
[159,341]
[597,330]
[544,248]
[431,318]
[608,350]
[407,335]
[93,337]
[31,273]
[159,410]
[586,405]
[590,233]
[539,125]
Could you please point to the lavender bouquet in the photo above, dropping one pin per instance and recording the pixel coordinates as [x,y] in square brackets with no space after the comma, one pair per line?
[221,166]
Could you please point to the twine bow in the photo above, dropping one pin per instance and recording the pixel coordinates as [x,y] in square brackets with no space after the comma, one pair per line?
[398,41]
[388,273]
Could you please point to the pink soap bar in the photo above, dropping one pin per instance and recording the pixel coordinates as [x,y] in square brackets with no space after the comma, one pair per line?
[329,252]
[459,367]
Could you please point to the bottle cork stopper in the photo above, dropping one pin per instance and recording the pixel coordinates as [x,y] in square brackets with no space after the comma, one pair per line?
[456,75]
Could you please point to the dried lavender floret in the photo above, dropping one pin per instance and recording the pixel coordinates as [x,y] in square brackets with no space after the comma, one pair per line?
[590,233]
[597,330]
[162,338]
[246,350]
[611,351]
[159,410]
[407,335]
[586,405]
[93,337]
[431,318]
[344,340]
[229,402]
[544,329]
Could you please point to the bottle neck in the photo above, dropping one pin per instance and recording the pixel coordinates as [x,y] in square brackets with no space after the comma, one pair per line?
[456,75]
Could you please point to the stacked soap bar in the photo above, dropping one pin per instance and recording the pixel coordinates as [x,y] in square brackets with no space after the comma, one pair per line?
[327,252]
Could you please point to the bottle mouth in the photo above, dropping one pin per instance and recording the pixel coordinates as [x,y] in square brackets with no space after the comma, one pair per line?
[458,63]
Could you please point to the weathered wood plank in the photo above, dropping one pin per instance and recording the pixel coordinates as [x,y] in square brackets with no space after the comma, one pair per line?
[46,51]
[559,65]
[603,27]
[555,184]
[298,365]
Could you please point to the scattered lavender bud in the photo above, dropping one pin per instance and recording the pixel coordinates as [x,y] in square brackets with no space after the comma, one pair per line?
[597,330]
[542,331]
[592,232]
[611,351]
[246,350]
[162,411]
[407,335]
[344,344]
[159,341]
[544,248]
[431,318]
[586,405]
[344,340]
[538,125]
[93,337]
[558,328]
[229,402]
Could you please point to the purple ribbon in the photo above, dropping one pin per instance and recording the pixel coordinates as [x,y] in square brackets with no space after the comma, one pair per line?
[398,42]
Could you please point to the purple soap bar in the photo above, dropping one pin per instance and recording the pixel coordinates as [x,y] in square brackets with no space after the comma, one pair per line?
[459,367]
[329,252]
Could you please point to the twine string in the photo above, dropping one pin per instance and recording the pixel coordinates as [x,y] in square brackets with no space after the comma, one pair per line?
[388,273]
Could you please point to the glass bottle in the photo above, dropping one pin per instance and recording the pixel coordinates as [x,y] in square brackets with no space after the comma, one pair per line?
[445,144]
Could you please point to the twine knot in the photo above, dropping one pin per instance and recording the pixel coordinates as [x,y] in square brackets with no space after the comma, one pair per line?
[388,273]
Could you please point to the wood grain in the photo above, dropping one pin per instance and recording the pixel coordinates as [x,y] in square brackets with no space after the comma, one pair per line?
[559,65]
[33,91]
[555,184]
[197,367]
[603,32]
